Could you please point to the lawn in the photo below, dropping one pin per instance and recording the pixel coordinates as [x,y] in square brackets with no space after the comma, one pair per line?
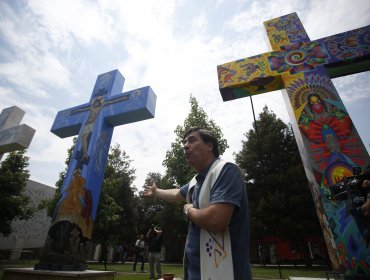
[124,271]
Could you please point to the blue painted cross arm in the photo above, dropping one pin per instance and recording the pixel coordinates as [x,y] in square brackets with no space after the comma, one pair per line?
[132,106]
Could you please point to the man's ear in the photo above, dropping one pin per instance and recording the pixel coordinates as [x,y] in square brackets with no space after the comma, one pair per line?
[210,146]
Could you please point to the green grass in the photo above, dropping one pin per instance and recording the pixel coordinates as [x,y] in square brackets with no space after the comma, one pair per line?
[124,271]
[285,272]
[128,274]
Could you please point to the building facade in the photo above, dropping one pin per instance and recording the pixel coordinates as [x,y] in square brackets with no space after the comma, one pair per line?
[28,236]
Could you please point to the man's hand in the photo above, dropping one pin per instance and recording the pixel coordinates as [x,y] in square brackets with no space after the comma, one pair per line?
[172,195]
[150,191]
[186,211]
[187,207]
[366,184]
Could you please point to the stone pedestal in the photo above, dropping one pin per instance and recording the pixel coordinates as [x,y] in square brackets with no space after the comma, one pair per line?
[31,274]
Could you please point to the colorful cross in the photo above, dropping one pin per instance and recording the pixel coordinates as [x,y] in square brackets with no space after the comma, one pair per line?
[323,128]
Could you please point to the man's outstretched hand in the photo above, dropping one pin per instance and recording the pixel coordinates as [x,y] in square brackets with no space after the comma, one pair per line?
[150,191]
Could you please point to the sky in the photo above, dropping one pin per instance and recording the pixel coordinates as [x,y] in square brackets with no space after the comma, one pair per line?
[51,53]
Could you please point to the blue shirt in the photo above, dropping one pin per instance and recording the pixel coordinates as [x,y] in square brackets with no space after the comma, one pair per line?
[228,188]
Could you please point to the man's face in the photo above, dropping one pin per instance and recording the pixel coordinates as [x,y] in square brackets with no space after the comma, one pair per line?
[197,152]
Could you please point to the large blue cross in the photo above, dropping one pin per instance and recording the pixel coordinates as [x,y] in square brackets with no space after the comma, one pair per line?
[94,123]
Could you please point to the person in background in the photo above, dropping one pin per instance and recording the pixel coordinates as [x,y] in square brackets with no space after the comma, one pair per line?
[154,239]
[118,253]
[139,252]
[125,252]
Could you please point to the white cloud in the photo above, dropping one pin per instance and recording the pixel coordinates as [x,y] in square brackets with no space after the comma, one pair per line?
[325,18]
[353,88]
[67,21]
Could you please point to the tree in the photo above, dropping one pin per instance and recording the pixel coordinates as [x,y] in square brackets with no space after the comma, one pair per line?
[116,216]
[14,204]
[147,209]
[280,202]
[171,220]
[106,223]
[177,168]
[117,187]
[165,215]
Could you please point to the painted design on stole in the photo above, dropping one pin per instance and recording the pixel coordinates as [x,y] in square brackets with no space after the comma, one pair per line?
[215,247]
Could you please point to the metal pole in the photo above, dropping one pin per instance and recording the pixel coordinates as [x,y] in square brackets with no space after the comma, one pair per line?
[255,122]
[277,258]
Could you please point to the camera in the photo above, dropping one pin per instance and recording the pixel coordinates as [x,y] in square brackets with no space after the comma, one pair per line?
[353,194]
[350,188]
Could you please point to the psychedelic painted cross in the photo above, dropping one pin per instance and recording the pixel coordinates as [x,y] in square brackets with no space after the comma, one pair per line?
[69,236]
[14,136]
[323,129]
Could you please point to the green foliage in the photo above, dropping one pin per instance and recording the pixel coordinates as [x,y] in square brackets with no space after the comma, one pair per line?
[177,168]
[165,215]
[115,215]
[280,202]
[14,204]
[148,208]
[171,213]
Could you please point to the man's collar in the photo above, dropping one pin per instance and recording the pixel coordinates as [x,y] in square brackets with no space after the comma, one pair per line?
[203,173]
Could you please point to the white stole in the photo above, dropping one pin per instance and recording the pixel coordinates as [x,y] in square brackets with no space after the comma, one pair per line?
[215,247]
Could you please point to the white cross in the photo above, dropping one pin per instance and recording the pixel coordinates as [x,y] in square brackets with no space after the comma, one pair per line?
[14,136]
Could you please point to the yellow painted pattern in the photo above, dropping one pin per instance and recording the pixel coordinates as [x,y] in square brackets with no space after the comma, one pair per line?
[253,75]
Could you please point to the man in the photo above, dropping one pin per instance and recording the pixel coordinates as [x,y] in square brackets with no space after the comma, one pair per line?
[139,253]
[217,241]
[154,238]
[118,253]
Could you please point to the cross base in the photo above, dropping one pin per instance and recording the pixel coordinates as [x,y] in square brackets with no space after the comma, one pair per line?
[31,274]
[60,267]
